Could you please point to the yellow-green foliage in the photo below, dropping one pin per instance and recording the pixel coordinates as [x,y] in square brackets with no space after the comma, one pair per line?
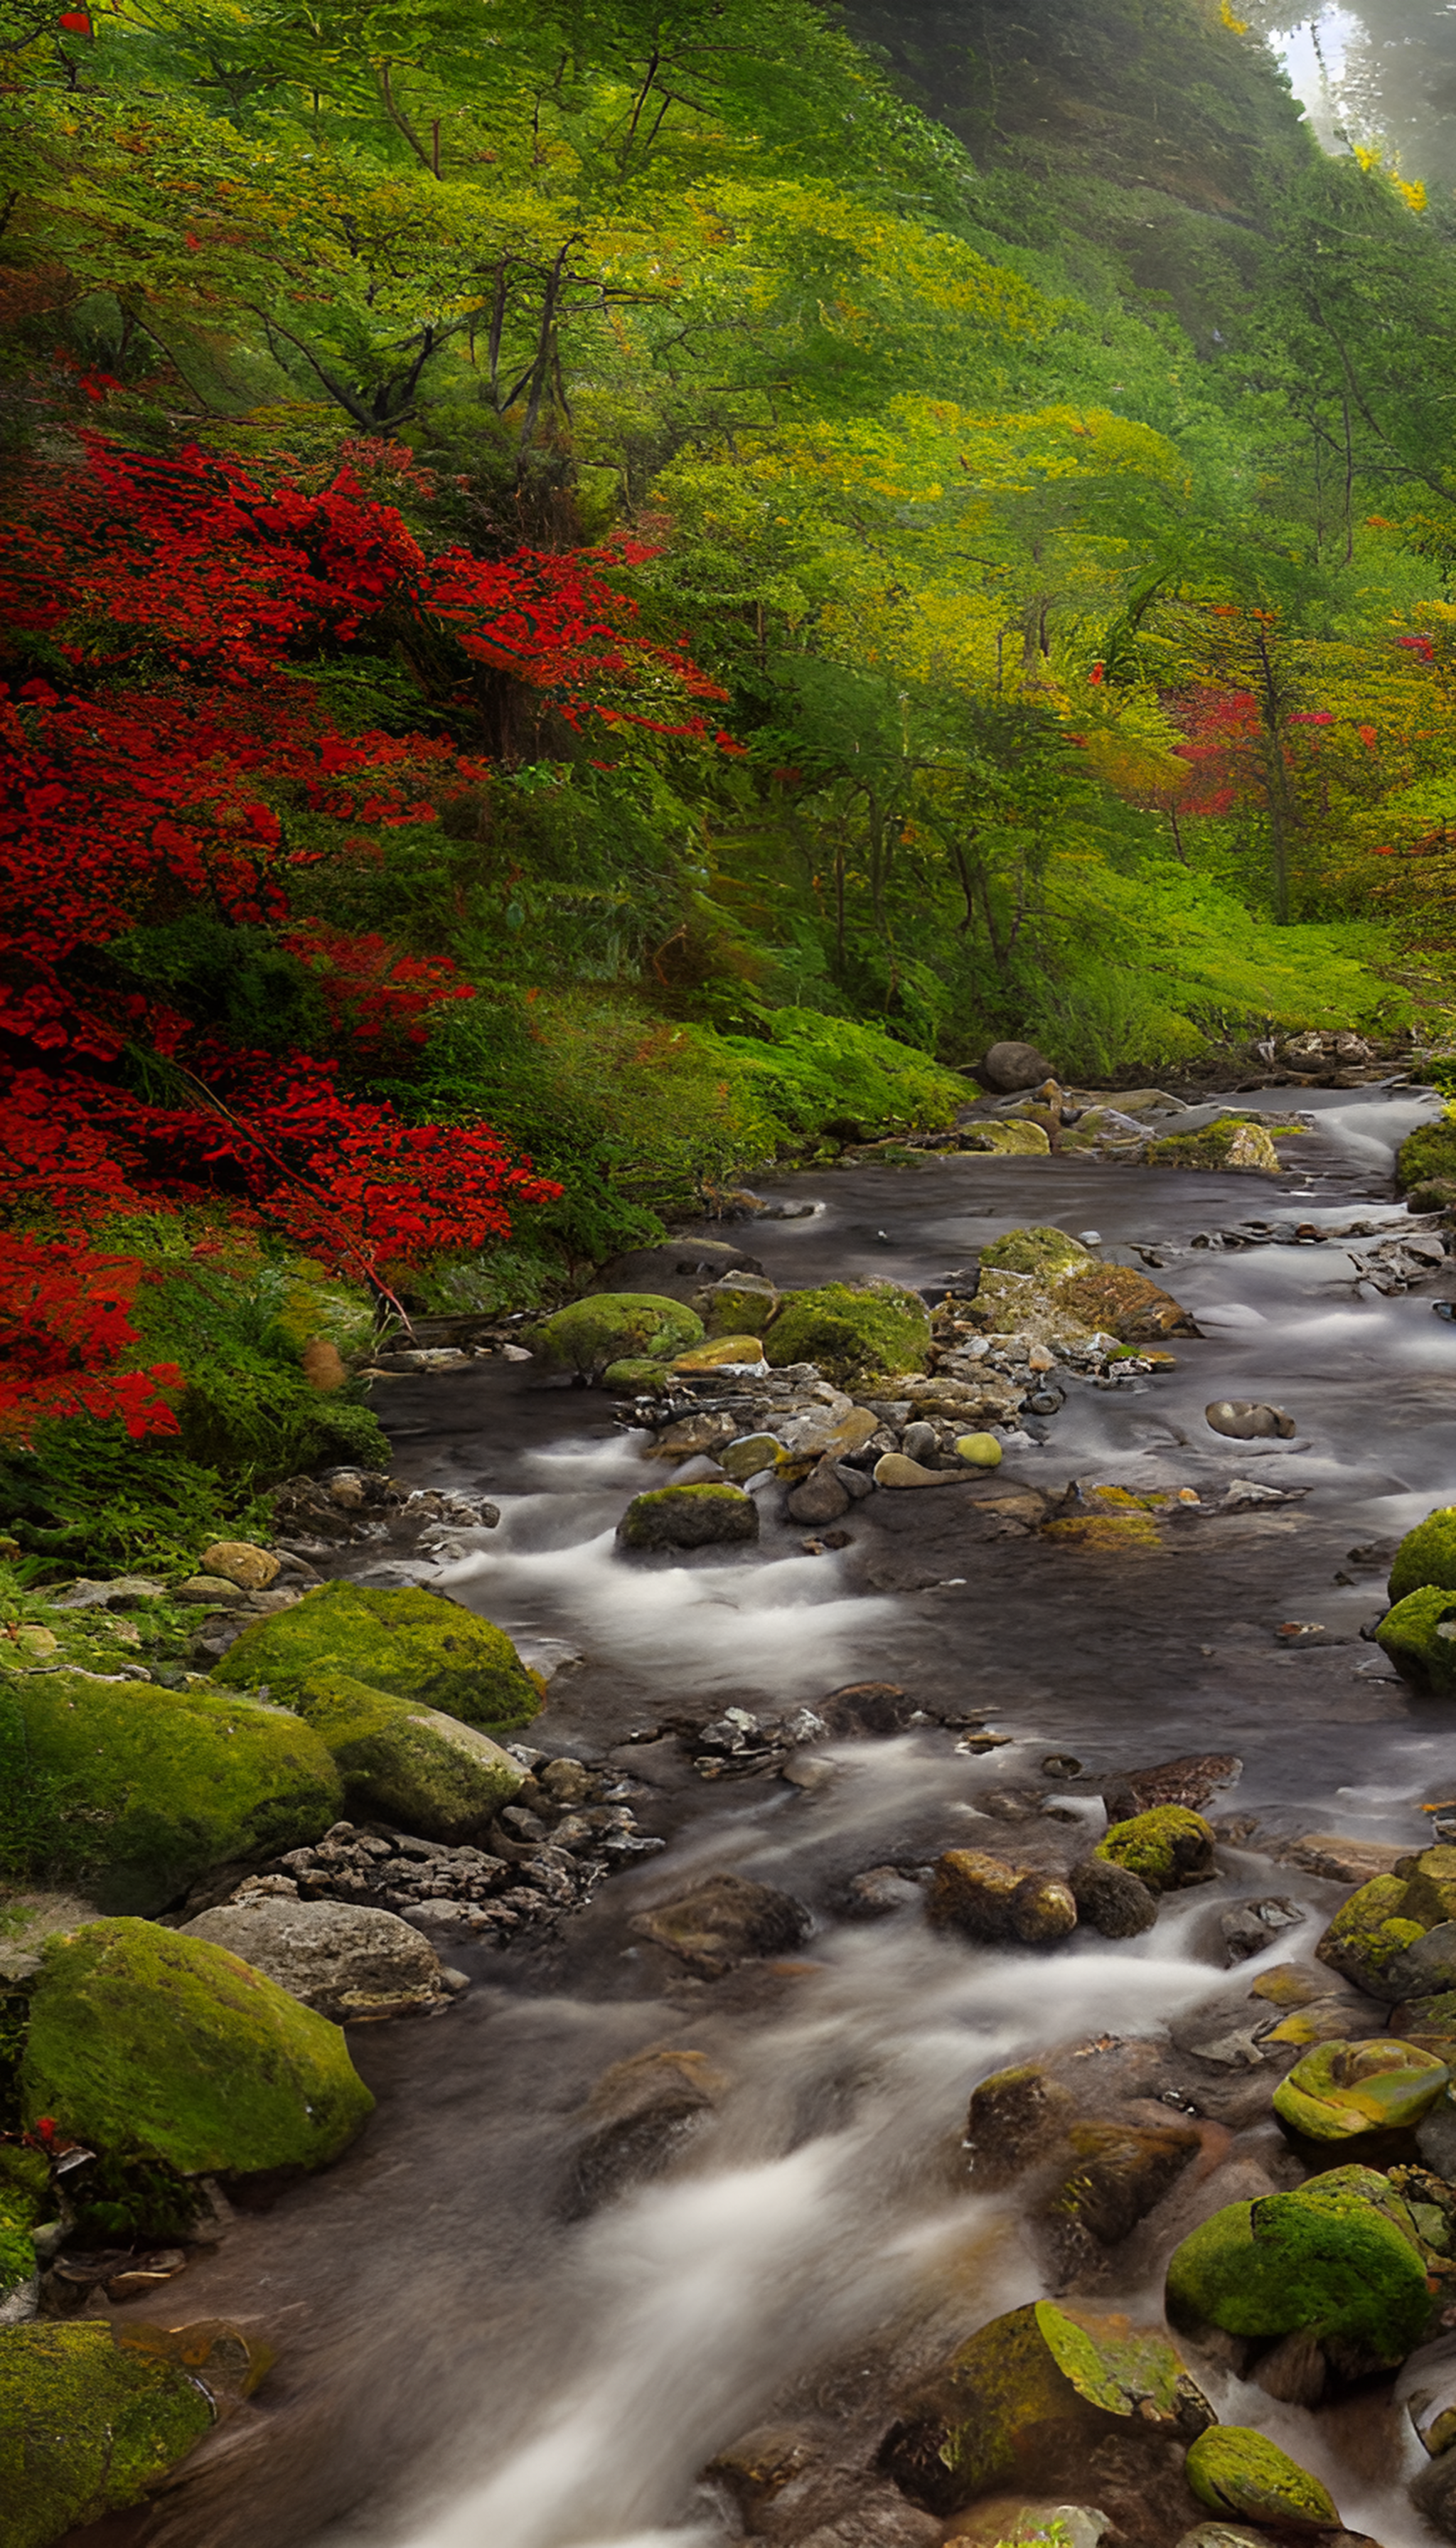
[412,1645]
[134,1791]
[87,2426]
[146,2043]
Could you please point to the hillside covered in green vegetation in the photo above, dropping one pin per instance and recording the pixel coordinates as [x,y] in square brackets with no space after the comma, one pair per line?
[597,595]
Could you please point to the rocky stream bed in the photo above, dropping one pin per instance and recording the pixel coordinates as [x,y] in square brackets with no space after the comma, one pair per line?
[834,2101]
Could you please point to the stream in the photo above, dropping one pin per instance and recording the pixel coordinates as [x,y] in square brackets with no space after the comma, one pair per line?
[466,2358]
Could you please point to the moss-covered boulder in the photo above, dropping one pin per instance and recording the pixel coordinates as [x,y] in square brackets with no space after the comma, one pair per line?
[1427,1154]
[1383,1919]
[1166,1848]
[414,1645]
[135,1790]
[1233,2469]
[1229,1143]
[1020,1140]
[1355,2092]
[741,1305]
[413,1767]
[851,1332]
[1028,2399]
[645,1379]
[1426,1555]
[148,2044]
[1338,2259]
[87,2426]
[718,1353]
[1419,1637]
[615,1327]
[1039,1250]
[706,1516]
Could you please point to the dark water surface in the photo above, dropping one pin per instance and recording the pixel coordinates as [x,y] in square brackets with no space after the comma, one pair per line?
[465,2365]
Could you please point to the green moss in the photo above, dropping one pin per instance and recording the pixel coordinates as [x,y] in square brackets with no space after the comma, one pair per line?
[145,2041]
[848,1333]
[703,1516]
[414,1767]
[1229,1144]
[136,1790]
[1233,2469]
[639,1375]
[25,2186]
[615,1327]
[1367,1930]
[1039,1250]
[1427,1152]
[17,2260]
[87,2426]
[1017,1141]
[1341,2092]
[1166,1848]
[411,1644]
[1329,2260]
[1419,1637]
[1426,1555]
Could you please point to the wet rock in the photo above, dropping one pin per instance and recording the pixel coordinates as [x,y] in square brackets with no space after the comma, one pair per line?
[1343,1860]
[1117,2172]
[569,1782]
[1419,1637]
[1245,1419]
[171,1783]
[1016,2118]
[823,1496]
[1434,2493]
[749,1457]
[238,1562]
[990,1898]
[1168,1847]
[1008,1140]
[836,1431]
[724,1921]
[1032,2396]
[210,1593]
[1013,2518]
[1387,1916]
[1427,2389]
[88,2425]
[1111,1898]
[709,1431]
[1355,2094]
[1117,1301]
[689,1517]
[866,1707]
[613,1326]
[1338,2259]
[412,1645]
[896,1471]
[640,2114]
[1226,1144]
[349,1963]
[719,1353]
[851,1331]
[978,1450]
[1010,1067]
[1189,1781]
[879,1892]
[171,2048]
[1250,1926]
[1426,1555]
[1233,2469]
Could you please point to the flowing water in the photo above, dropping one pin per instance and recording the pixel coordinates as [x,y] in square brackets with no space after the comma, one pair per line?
[464,2361]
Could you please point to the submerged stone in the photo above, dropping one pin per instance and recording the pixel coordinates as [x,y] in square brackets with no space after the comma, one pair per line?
[411,1644]
[165,2046]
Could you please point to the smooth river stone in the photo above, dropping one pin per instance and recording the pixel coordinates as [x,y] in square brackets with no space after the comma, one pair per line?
[981,1450]
[720,1350]
[894,1469]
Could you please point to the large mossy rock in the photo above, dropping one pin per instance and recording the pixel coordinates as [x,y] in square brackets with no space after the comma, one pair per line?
[1039,1250]
[405,1765]
[1427,1154]
[1351,2092]
[136,1790]
[1229,1143]
[1381,1920]
[411,1644]
[1338,2260]
[1419,1637]
[1233,2469]
[1039,1282]
[1116,1300]
[617,1326]
[87,2426]
[852,1332]
[1028,2399]
[152,2044]
[1426,1555]
[704,1517]
[1165,1848]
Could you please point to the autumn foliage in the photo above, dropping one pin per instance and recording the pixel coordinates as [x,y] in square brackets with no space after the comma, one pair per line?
[168,750]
